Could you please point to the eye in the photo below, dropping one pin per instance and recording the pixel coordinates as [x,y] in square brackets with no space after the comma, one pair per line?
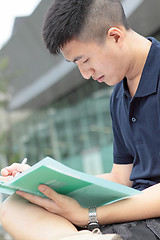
[86,61]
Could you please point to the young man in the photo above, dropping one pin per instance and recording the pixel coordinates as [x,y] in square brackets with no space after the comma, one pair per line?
[95,35]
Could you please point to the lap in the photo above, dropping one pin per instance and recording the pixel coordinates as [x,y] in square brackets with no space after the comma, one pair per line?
[139,230]
[18,215]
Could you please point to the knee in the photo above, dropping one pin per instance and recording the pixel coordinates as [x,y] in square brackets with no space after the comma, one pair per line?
[6,210]
[3,212]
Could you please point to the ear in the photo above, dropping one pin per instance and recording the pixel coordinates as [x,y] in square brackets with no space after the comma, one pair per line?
[116,34]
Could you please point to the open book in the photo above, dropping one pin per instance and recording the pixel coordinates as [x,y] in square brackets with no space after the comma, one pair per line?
[88,190]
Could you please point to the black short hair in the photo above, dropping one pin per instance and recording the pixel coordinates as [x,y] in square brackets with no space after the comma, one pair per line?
[85,19]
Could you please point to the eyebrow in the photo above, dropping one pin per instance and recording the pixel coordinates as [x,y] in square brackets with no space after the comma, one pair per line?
[75,59]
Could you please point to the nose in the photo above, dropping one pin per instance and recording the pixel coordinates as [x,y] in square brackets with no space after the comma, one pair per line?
[86,73]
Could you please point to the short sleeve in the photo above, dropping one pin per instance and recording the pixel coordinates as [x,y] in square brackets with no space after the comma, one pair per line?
[121,154]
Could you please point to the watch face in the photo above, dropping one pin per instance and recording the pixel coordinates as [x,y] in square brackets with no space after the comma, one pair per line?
[93,225]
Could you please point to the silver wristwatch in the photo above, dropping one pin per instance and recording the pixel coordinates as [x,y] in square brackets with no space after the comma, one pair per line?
[93,222]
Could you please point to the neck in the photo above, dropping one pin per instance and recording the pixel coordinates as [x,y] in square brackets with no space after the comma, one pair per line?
[139,49]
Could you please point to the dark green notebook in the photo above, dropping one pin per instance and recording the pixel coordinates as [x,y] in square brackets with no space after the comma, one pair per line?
[88,190]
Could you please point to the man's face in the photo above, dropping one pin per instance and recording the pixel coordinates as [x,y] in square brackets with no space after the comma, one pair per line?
[103,62]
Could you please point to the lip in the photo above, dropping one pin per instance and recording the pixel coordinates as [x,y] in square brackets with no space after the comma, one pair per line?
[100,79]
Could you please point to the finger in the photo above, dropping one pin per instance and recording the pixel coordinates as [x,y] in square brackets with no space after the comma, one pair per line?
[50,193]
[14,173]
[40,201]
[15,167]
[5,172]
[5,179]
[28,196]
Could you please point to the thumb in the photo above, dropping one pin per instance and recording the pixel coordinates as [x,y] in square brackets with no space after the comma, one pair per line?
[49,192]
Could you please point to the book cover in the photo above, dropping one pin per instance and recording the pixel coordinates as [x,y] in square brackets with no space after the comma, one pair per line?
[88,190]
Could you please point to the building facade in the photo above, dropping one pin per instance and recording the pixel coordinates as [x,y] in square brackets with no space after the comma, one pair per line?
[53,110]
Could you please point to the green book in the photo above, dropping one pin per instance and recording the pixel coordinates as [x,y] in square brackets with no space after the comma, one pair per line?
[88,190]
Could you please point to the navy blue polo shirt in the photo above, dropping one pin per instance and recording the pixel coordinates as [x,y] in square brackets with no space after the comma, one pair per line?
[136,123]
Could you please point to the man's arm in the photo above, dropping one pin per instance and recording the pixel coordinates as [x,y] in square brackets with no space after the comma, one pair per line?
[141,206]
[120,174]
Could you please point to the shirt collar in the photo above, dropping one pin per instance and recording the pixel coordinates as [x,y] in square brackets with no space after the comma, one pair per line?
[149,79]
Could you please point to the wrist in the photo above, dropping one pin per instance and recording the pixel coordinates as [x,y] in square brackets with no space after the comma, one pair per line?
[103,214]
[82,218]
[93,220]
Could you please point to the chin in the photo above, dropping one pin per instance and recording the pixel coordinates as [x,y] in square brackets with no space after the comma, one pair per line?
[113,82]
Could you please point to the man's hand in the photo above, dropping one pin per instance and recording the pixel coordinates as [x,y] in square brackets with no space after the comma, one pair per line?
[59,204]
[9,172]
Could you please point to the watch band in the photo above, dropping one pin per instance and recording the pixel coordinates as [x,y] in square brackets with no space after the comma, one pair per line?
[93,222]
